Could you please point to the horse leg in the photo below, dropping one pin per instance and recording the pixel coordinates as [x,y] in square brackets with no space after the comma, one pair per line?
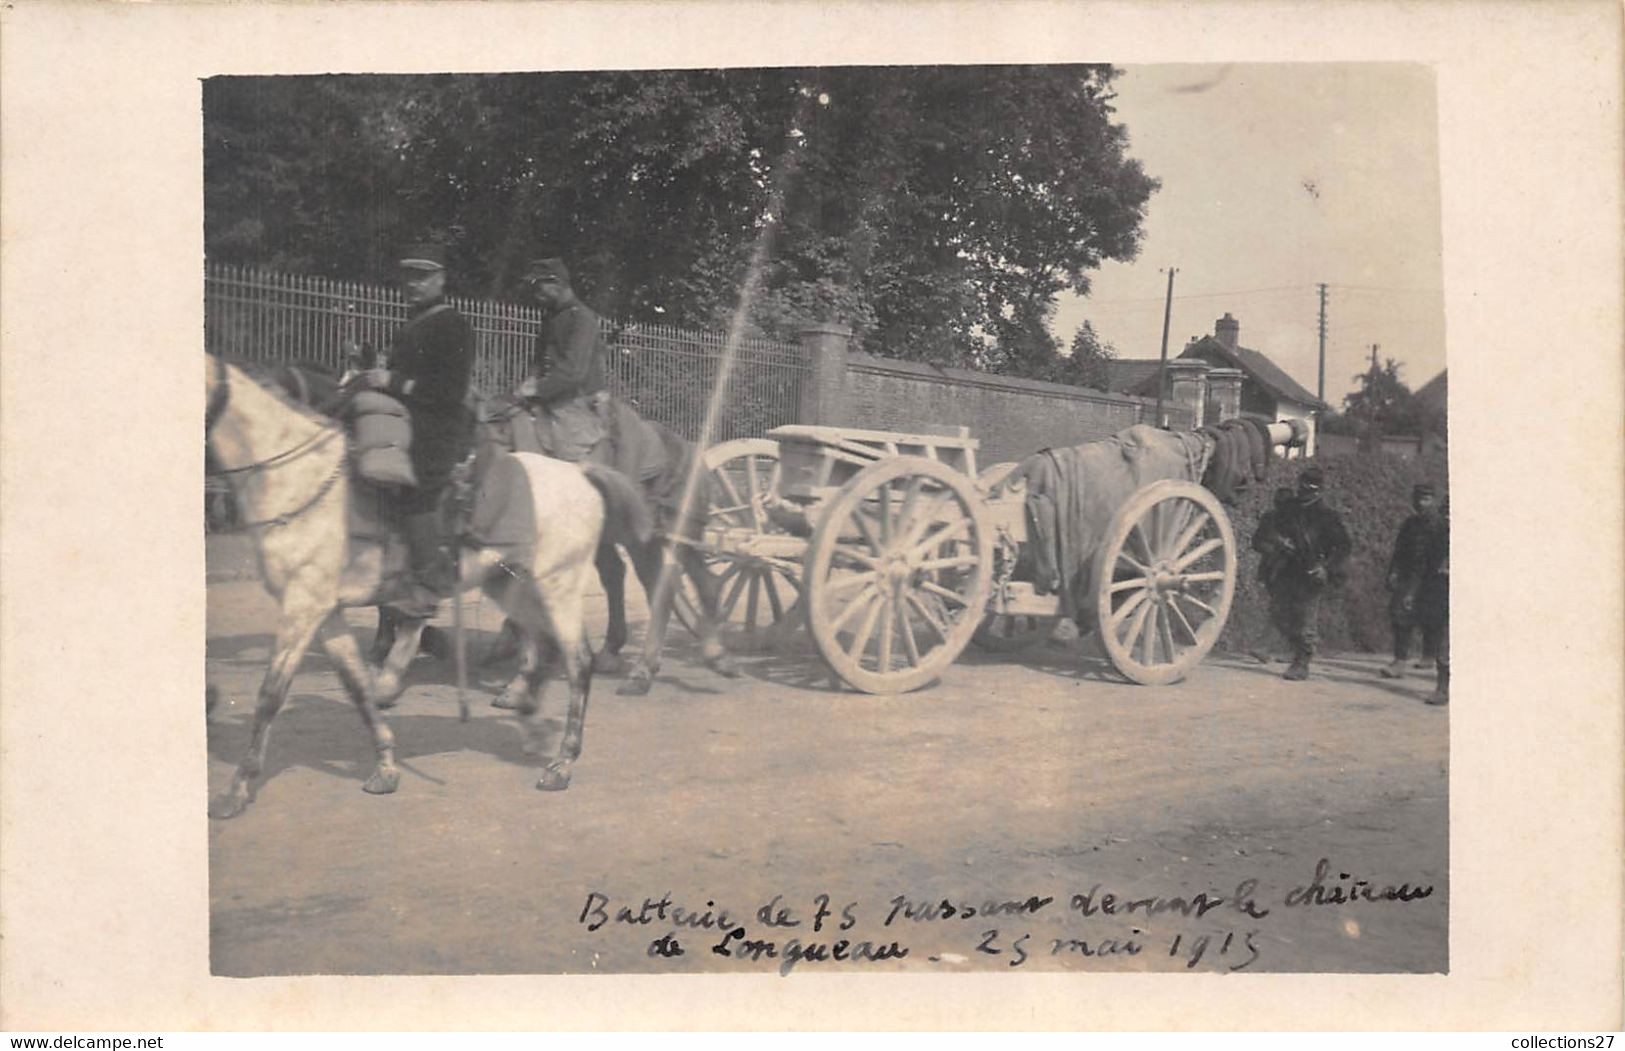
[391,678]
[532,683]
[553,622]
[384,640]
[506,645]
[293,638]
[512,697]
[716,656]
[563,617]
[509,591]
[647,560]
[342,649]
[612,575]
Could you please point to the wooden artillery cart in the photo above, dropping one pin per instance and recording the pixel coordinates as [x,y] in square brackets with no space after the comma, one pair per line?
[896,553]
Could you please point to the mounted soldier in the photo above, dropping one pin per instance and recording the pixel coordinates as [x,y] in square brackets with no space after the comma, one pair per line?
[428,372]
[567,385]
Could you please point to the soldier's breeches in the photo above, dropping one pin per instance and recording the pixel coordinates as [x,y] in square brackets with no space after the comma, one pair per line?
[1295,613]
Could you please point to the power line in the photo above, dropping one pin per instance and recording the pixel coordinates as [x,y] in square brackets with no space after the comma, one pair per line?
[1198,295]
[1401,291]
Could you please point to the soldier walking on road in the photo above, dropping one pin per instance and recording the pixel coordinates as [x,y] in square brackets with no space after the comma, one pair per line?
[1269,562]
[1419,580]
[1413,564]
[1308,547]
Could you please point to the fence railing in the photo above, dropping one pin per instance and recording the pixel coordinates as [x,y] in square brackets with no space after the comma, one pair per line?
[666,373]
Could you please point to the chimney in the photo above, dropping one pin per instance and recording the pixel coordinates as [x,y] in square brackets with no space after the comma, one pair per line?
[1227,330]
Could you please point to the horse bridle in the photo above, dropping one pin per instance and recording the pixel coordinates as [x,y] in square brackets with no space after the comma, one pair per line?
[216,408]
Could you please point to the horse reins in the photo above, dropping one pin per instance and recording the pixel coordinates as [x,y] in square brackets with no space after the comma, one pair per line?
[218,399]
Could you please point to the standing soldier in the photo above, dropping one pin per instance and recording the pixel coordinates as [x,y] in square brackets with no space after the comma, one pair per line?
[429,367]
[1309,547]
[1433,604]
[1267,542]
[1408,569]
[569,370]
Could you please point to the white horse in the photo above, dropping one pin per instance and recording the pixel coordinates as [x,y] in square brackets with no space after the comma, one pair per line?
[289,471]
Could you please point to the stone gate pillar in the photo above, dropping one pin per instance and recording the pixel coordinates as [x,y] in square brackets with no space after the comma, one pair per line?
[1224,388]
[1187,386]
[823,388]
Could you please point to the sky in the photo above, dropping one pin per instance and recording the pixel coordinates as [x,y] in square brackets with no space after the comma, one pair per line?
[1276,178]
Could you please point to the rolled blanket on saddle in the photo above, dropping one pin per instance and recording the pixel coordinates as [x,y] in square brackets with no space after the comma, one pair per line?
[382,441]
[1073,493]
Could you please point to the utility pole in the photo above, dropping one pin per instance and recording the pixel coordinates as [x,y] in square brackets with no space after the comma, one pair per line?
[1320,386]
[1371,393]
[1162,369]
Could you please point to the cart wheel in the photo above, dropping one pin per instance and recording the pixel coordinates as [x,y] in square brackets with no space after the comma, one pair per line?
[898,574]
[757,598]
[1164,578]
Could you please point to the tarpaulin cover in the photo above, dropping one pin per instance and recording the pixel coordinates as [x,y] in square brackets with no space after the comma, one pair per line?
[1073,493]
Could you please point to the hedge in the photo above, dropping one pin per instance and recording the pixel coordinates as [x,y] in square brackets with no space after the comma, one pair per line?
[1373,493]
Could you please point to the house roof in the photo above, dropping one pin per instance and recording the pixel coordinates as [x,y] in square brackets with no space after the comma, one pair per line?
[1269,375]
[1139,375]
[1432,394]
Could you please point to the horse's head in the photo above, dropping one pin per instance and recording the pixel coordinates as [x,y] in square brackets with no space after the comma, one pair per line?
[217,384]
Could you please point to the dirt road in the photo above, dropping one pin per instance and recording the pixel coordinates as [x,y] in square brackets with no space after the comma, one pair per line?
[1030,812]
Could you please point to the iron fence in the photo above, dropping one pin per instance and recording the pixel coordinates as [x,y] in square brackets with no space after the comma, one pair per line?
[666,373]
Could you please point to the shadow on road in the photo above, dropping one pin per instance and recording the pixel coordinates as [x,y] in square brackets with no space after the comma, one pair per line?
[1344,671]
[325,734]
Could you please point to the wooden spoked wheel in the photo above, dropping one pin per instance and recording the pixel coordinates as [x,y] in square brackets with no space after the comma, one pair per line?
[755,597]
[898,574]
[1164,579]
[1001,632]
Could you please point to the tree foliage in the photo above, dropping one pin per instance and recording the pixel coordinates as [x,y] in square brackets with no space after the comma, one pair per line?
[1381,404]
[938,210]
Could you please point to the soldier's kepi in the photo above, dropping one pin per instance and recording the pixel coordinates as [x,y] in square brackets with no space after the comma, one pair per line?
[430,361]
[569,368]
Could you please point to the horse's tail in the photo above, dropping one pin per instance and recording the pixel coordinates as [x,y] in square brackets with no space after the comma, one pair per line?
[627,518]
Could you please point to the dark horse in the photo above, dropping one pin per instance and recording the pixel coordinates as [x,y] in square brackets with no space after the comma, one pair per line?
[663,460]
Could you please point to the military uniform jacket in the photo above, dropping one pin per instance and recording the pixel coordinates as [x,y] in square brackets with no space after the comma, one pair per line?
[429,366]
[1414,549]
[570,355]
[1305,537]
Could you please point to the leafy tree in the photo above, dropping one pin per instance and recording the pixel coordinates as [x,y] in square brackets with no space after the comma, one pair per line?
[938,210]
[1087,364]
[1382,404]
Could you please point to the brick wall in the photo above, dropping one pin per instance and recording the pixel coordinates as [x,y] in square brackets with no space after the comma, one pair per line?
[1012,418]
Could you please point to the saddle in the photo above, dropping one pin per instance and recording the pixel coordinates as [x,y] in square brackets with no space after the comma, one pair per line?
[631,445]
